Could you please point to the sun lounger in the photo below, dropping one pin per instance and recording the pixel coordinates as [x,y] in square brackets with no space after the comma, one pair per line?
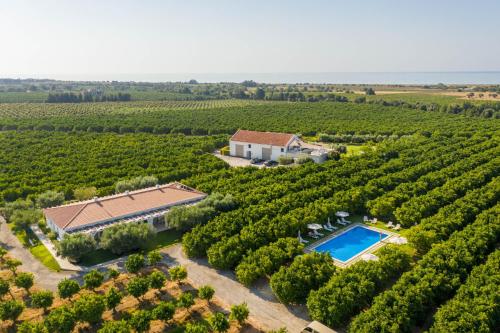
[365,218]
[310,234]
[374,220]
[327,228]
[329,225]
[397,227]
[390,225]
[317,233]
[341,222]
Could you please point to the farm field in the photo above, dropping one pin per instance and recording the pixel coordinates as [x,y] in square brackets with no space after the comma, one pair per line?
[436,174]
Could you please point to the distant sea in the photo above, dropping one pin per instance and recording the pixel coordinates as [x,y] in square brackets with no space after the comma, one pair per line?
[419,78]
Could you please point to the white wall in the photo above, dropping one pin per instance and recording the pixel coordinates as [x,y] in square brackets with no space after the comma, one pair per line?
[256,149]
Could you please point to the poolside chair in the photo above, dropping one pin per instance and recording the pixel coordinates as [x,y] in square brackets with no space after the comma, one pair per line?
[329,225]
[302,240]
[313,235]
[317,233]
[326,227]
[346,221]
[390,225]
[341,222]
[374,220]
[365,218]
[397,227]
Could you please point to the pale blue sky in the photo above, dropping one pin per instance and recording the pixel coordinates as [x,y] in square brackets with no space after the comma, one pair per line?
[99,37]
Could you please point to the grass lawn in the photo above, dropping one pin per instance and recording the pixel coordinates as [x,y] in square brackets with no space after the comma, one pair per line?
[354,149]
[161,240]
[37,249]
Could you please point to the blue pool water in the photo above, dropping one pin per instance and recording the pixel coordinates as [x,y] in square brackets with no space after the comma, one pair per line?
[350,243]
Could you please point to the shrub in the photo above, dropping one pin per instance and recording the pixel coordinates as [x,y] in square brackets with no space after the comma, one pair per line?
[185,300]
[206,293]
[196,328]
[135,183]
[112,298]
[157,280]
[118,326]
[89,308]
[154,258]
[23,219]
[11,310]
[239,313]
[42,299]
[4,287]
[140,320]
[29,327]
[285,160]
[225,151]
[67,288]
[93,279]
[164,311]
[74,246]
[177,273]
[85,193]
[138,286]
[24,280]
[219,322]
[134,263]
[122,238]
[60,320]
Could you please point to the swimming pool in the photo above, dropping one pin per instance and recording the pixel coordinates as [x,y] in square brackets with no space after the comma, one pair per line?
[351,242]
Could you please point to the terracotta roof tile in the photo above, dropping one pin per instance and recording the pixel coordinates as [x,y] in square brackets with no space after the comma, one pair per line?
[266,138]
[120,205]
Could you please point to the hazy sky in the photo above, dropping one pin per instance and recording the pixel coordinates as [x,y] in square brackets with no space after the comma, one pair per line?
[89,37]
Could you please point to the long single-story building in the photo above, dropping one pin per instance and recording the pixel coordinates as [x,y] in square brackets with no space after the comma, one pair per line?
[144,205]
[272,145]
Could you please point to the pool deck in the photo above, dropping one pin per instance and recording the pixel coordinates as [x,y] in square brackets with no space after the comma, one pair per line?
[357,257]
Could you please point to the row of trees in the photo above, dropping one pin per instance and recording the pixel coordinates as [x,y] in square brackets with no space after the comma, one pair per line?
[465,158]
[267,260]
[87,97]
[353,289]
[435,278]
[135,183]
[413,210]
[475,307]
[453,217]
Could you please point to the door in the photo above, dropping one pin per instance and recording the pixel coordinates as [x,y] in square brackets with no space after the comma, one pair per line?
[249,154]
[239,151]
[266,153]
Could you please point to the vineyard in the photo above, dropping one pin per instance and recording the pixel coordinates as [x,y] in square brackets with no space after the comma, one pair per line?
[434,173]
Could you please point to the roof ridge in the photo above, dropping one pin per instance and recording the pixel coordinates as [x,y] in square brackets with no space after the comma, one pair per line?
[75,215]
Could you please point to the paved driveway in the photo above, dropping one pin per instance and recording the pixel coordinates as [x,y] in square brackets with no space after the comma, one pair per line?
[263,305]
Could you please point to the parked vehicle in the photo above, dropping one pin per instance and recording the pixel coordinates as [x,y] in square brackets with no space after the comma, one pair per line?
[270,163]
[256,160]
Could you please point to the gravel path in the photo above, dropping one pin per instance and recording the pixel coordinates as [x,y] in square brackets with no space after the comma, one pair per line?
[264,307]
[44,277]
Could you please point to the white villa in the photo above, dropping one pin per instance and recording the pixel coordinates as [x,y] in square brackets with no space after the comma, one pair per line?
[147,205]
[272,145]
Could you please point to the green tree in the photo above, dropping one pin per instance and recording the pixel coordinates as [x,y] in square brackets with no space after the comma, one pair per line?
[196,328]
[12,265]
[218,321]
[60,320]
[178,273]
[89,308]
[85,193]
[118,326]
[23,219]
[42,299]
[11,310]
[154,258]
[113,297]
[138,286]
[134,263]
[157,280]
[307,272]
[3,252]
[24,280]
[140,320]
[4,287]
[67,288]
[239,313]
[122,238]
[75,246]
[164,311]
[185,300]
[30,327]
[206,293]
[113,273]
[260,93]
[50,199]
[93,279]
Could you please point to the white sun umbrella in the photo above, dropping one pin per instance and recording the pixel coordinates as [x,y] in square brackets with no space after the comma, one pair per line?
[369,257]
[398,240]
[342,214]
[314,226]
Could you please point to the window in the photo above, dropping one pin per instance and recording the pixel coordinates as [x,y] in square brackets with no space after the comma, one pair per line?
[282,150]
[249,146]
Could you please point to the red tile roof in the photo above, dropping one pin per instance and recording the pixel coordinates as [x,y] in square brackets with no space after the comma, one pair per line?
[265,138]
[114,207]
